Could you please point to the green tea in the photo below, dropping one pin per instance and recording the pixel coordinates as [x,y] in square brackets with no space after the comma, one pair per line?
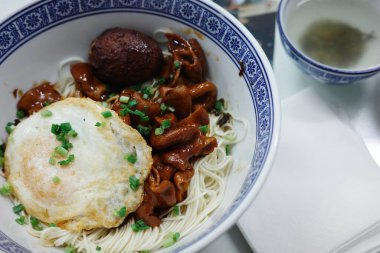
[334,43]
[339,33]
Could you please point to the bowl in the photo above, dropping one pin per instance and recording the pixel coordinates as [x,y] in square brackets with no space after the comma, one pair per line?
[35,39]
[298,22]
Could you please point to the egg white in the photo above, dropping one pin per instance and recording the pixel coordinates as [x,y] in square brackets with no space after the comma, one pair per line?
[92,187]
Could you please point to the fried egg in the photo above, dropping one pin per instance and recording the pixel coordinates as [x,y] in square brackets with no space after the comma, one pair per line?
[94,189]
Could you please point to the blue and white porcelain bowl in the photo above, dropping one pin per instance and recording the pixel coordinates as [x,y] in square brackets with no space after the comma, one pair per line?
[37,37]
[321,72]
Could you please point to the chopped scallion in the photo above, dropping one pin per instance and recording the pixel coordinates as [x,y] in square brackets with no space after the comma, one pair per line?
[143,130]
[56,180]
[98,248]
[105,104]
[20,114]
[100,124]
[17,209]
[124,99]
[1,161]
[228,149]
[132,103]
[171,109]
[70,249]
[165,124]
[173,238]
[20,220]
[177,64]
[61,151]
[72,133]
[9,127]
[65,127]
[131,158]
[139,226]
[161,80]
[145,96]
[122,212]
[204,129]
[219,105]
[69,160]
[46,113]
[159,131]
[52,225]
[176,210]
[163,107]
[35,223]
[6,190]
[134,183]
[107,114]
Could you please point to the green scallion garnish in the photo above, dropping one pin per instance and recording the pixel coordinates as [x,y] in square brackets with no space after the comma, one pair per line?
[56,180]
[20,220]
[131,158]
[61,151]
[177,64]
[70,249]
[204,129]
[17,209]
[6,190]
[165,124]
[2,161]
[122,212]
[145,96]
[98,248]
[69,160]
[228,149]
[107,114]
[35,223]
[139,226]
[46,113]
[20,114]
[159,131]
[52,225]
[9,127]
[163,107]
[134,183]
[52,160]
[124,99]
[176,210]
[132,103]
[219,105]
[72,133]
[173,238]
[144,130]
[100,124]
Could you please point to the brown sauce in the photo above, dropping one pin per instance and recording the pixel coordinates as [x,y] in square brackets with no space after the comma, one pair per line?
[38,97]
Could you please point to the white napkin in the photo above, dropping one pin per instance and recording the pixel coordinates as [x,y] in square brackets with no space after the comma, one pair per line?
[324,187]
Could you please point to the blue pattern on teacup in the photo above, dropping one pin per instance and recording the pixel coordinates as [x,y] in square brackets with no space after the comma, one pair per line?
[41,16]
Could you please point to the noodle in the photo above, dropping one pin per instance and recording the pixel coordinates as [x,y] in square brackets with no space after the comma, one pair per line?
[205,194]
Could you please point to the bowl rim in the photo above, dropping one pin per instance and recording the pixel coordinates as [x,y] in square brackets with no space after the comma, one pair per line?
[273,144]
[280,22]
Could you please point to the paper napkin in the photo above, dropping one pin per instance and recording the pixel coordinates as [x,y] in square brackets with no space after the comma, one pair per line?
[324,187]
